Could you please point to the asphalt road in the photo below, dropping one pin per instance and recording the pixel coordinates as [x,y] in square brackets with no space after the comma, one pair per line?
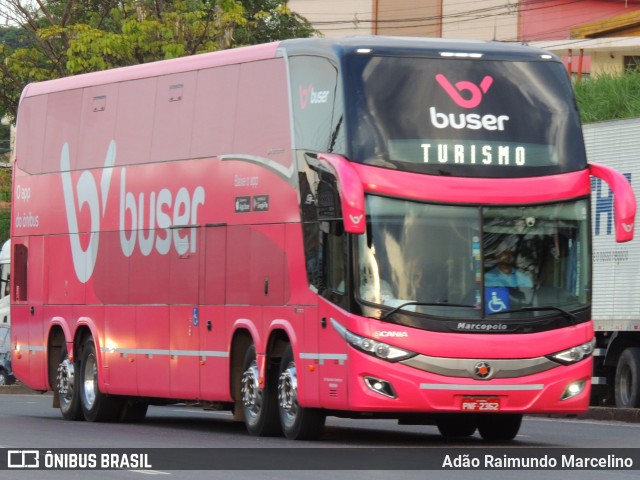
[27,421]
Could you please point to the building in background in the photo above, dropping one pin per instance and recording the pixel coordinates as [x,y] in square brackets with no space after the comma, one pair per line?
[567,27]
[504,20]
[487,20]
[337,18]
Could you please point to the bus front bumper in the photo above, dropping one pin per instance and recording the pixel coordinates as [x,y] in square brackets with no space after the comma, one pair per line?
[400,388]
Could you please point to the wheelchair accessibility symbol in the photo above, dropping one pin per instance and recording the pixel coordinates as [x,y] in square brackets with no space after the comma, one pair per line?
[496,300]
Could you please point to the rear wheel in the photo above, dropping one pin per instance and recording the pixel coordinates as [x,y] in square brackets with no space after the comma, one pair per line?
[258,404]
[499,428]
[96,406]
[627,382]
[298,423]
[67,387]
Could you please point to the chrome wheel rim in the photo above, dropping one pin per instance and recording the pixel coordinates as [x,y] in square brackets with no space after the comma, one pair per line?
[251,392]
[90,378]
[66,381]
[288,394]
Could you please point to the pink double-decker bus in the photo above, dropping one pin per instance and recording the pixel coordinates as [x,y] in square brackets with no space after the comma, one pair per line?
[378,227]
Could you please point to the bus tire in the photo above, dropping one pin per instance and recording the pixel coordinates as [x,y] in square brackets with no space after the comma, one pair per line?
[456,426]
[500,427]
[133,412]
[67,387]
[96,406]
[627,380]
[258,404]
[298,423]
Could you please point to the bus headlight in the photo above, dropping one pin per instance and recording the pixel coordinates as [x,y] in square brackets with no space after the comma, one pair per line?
[372,347]
[575,354]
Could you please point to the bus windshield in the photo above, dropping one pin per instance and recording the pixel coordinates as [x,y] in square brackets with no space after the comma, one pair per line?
[439,258]
[462,117]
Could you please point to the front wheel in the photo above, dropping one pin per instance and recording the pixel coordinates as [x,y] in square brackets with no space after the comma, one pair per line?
[298,423]
[500,427]
[96,406]
[627,382]
[456,426]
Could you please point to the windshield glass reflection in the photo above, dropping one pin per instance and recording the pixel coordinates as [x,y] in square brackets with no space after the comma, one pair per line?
[438,259]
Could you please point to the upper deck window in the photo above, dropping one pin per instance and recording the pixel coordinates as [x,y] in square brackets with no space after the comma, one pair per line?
[465,117]
[314,89]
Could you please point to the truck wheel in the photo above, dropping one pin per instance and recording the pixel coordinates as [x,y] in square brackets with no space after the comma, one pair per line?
[627,383]
[298,423]
[499,428]
[4,379]
[67,387]
[96,406]
[258,404]
[456,426]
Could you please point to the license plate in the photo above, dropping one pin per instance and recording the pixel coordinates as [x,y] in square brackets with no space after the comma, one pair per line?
[480,404]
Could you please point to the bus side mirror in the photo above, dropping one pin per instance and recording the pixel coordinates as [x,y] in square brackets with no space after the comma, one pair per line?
[350,189]
[624,200]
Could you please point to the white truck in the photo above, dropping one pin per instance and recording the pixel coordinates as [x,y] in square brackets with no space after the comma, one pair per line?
[6,375]
[616,269]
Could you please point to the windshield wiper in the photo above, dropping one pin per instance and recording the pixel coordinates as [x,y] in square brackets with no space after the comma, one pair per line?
[424,304]
[565,313]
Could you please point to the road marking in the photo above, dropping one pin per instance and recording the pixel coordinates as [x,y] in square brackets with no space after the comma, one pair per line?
[613,423]
[150,472]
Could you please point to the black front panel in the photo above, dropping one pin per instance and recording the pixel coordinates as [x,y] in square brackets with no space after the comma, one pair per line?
[462,117]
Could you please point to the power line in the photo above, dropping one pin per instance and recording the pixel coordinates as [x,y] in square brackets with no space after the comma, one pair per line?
[468,16]
[477,11]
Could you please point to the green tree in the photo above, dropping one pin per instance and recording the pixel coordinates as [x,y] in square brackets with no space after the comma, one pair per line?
[11,38]
[5,199]
[67,37]
[269,21]
[56,38]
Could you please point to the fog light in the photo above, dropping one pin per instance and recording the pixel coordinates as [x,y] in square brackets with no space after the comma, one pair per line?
[380,386]
[573,389]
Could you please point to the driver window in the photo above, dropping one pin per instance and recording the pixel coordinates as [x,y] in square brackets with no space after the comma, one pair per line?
[506,271]
[335,261]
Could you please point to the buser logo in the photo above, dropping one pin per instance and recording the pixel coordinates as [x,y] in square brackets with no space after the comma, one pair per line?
[312,96]
[145,221]
[467,95]
[84,260]
[473,91]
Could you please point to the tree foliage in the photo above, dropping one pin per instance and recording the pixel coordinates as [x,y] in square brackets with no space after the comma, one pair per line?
[269,21]
[68,37]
